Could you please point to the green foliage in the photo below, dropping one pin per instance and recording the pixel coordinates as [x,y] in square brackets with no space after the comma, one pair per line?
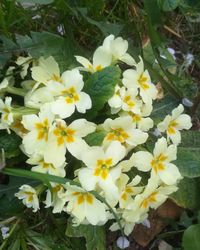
[187,195]
[10,143]
[100,87]
[96,138]
[46,44]
[94,235]
[168,5]
[161,107]
[188,157]
[36,1]
[191,238]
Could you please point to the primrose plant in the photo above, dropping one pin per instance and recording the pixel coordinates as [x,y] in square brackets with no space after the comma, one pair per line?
[97,116]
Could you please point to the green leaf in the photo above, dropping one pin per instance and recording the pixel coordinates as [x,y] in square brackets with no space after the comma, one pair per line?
[13,185]
[168,5]
[96,138]
[187,195]
[100,87]
[191,238]
[10,207]
[48,44]
[105,27]
[153,12]
[94,235]
[44,2]
[6,48]
[10,143]
[188,157]
[161,108]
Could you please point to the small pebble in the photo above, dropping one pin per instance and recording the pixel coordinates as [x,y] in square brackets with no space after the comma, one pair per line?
[123,242]
[156,132]
[146,223]
[186,102]
[189,59]
[4,232]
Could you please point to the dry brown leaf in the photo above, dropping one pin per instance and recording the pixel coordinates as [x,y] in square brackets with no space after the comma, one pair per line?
[158,221]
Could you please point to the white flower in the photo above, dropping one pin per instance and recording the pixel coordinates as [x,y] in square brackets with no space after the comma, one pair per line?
[125,99]
[101,169]
[152,197]
[122,129]
[29,197]
[46,71]
[56,198]
[159,162]
[6,113]
[127,226]
[69,95]
[8,80]
[172,124]
[112,50]
[128,190]
[35,140]
[140,79]
[64,137]
[24,62]
[141,120]
[118,48]
[101,59]
[83,205]
[37,98]
[44,167]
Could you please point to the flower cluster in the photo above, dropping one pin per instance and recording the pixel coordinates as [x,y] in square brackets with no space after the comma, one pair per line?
[52,136]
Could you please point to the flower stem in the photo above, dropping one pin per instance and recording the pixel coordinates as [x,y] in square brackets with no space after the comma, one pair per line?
[16,91]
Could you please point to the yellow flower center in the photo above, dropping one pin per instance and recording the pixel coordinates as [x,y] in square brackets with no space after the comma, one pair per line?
[57,188]
[127,192]
[5,114]
[64,134]
[46,165]
[143,82]
[150,199]
[158,162]
[102,168]
[56,78]
[83,197]
[43,128]
[135,117]
[98,68]
[117,134]
[19,126]
[128,101]
[71,95]
[29,196]
[172,127]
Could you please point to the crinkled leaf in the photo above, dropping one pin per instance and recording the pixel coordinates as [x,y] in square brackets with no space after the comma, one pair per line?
[6,49]
[48,44]
[191,238]
[10,207]
[94,235]
[162,107]
[100,87]
[10,143]
[187,195]
[188,157]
